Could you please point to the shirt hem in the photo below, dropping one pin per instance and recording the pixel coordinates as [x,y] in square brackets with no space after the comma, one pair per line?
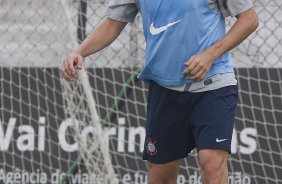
[168,82]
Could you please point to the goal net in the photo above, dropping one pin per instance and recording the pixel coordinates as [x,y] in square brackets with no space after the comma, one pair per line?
[93,130]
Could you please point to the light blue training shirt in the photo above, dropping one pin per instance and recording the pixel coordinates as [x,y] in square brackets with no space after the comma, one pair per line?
[174,31]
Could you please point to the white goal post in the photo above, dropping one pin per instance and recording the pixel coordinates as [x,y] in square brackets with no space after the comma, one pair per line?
[93,130]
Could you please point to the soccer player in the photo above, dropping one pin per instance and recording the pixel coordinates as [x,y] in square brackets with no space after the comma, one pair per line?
[192,87]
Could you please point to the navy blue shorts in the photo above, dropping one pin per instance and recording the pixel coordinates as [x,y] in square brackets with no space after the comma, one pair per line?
[178,122]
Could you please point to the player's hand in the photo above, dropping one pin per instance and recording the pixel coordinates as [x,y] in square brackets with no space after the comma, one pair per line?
[198,66]
[73,62]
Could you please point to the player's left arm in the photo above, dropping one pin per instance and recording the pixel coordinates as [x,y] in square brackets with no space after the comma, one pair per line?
[199,64]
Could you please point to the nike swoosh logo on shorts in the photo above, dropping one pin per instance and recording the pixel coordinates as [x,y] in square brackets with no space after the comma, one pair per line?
[156,31]
[220,140]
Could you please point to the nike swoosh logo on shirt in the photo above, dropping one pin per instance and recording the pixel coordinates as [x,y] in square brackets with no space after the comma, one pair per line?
[155,31]
[220,140]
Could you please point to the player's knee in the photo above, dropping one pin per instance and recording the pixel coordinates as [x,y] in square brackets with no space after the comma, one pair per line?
[213,165]
[159,180]
[163,173]
[162,181]
[211,168]
[213,173]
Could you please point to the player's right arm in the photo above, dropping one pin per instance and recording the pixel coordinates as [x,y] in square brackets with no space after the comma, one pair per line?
[102,36]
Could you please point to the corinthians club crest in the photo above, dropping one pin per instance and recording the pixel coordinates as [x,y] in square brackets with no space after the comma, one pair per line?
[151,147]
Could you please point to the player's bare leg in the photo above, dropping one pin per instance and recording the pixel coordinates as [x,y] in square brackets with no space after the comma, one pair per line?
[214,166]
[163,173]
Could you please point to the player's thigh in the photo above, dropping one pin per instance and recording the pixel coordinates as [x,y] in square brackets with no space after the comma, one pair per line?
[213,160]
[213,119]
[169,135]
[163,173]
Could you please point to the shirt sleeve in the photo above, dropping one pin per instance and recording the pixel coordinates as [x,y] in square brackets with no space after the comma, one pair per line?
[234,7]
[122,10]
